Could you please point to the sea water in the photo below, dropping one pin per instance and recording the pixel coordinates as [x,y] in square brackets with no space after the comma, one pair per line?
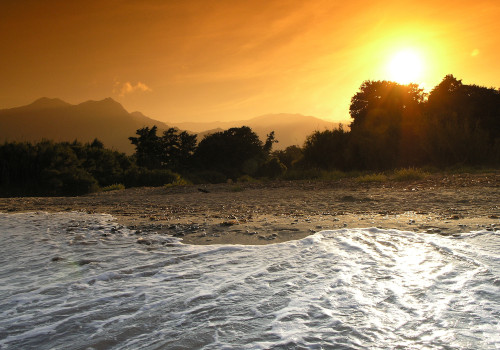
[79,281]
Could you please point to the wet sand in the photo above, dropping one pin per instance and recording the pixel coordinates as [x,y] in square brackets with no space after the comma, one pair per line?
[277,211]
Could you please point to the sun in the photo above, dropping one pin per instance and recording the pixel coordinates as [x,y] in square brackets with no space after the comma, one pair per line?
[405,67]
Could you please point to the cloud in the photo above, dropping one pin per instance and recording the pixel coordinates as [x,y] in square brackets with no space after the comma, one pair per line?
[126,88]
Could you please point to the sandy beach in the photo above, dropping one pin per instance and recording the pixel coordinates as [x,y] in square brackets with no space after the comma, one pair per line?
[272,212]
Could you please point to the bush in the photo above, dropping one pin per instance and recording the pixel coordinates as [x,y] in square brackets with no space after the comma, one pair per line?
[114,187]
[272,168]
[179,181]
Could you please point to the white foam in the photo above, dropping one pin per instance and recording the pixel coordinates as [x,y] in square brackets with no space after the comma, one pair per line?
[360,288]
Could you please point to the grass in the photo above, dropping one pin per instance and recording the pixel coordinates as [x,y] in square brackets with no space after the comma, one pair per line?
[246,178]
[114,187]
[376,177]
[236,188]
[179,181]
[409,174]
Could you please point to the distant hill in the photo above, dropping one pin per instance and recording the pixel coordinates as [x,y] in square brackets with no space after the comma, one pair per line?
[107,120]
[290,129]
[54,119]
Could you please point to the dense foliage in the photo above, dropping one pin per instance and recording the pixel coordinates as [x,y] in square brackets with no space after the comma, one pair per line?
[396,126]
[49,168]
[234,152]
[393,126]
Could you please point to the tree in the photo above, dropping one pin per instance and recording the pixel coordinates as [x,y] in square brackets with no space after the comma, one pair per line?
[386,120]
[177,149]
[272,168]
[327,149]
[474,105]
[233,152]
[148,148]
[462,123]
[173,150]
[289,156]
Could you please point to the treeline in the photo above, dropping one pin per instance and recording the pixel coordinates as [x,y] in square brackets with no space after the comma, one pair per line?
[72,168]
[223,155]
[393,126]
[51,169]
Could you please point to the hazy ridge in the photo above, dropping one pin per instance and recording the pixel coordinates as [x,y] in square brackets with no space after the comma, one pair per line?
[107,120]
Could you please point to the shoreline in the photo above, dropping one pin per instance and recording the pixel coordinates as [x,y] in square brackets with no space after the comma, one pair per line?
[279,211]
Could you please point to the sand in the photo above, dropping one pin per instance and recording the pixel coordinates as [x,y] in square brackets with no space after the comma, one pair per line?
[277,211]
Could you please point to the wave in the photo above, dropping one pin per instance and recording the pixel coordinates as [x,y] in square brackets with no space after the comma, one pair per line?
[79,280]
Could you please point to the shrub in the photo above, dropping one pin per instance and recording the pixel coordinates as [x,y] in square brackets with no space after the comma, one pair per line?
[179,181]
[272,168]
[114,187]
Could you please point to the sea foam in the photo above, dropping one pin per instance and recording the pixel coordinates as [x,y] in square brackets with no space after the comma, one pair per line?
[73,280]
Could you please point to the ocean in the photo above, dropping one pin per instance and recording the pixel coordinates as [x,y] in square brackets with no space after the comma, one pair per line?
[81,281]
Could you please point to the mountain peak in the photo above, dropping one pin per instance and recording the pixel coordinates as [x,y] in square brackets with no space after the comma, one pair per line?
[107,105]
[46,102]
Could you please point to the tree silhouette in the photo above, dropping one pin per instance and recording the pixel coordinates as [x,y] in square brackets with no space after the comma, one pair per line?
[148,150]
[327,149]
[385,117]
[473,105]
[177,149]
[233,152]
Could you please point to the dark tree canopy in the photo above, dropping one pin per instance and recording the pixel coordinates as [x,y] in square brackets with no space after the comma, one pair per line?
[173,150]
[384,102]
[148,149]
[290,155]
[233,152]
[393,125]
[386,119]
[466,104]
[177,149]
[327,149]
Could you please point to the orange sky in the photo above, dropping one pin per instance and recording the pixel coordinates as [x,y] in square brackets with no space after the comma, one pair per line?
[193,60]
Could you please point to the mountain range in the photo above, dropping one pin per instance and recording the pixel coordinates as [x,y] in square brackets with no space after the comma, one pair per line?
[107,120]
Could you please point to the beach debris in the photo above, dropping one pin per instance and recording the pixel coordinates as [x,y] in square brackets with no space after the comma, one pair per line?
[203,190]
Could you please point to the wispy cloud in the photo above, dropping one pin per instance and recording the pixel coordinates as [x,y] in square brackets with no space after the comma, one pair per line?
[127,87]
